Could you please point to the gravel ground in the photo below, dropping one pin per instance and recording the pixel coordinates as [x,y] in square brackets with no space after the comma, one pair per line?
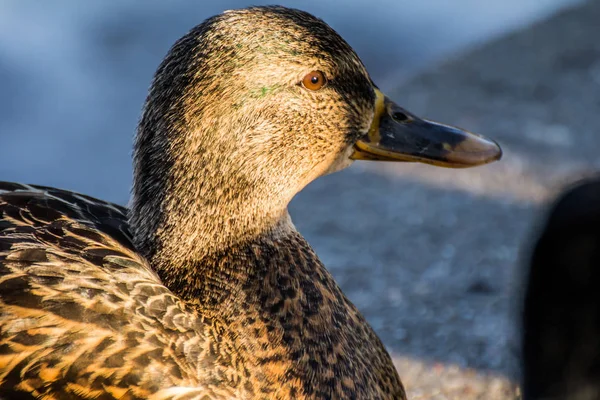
[436,270]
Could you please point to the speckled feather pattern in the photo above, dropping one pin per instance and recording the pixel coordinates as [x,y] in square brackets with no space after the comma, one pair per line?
[83,316]
[203,289]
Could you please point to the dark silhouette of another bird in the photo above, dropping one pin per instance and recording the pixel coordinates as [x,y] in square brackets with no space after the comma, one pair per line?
[561,319]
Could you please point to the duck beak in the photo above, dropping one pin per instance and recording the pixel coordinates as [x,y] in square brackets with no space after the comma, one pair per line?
[397,135]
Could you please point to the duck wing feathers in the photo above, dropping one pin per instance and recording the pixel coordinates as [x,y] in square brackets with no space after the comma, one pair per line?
[81,314]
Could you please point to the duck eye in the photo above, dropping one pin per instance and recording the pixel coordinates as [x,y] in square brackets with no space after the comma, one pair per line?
[314,80]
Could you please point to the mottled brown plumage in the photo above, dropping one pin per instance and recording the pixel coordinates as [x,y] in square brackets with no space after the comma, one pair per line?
[206,290]
[84,316]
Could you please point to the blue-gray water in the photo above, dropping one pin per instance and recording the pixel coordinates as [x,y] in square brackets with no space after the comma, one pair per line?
[73,74]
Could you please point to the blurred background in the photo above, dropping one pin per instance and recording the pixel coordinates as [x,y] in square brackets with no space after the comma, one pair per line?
[431,256]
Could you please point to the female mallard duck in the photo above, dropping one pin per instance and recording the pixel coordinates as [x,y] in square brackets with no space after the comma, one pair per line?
[204,289]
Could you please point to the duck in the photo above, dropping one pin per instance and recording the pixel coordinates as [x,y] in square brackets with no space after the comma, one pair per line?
[202,288]
[561,303]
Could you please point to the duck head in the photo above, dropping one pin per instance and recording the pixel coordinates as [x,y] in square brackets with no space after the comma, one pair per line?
[247,109]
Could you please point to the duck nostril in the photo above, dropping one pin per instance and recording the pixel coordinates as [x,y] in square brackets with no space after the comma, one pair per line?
[399,116]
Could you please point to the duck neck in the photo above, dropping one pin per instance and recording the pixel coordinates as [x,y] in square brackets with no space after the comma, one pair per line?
[203,246]
[241,272]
